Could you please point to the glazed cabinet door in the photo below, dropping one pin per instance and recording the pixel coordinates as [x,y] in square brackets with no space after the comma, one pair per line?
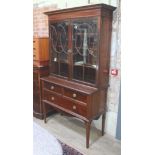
[58,33]
[74,46]
[85,49]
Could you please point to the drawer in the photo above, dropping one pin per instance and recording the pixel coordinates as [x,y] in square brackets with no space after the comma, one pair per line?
[53,87]
[49,96]
[74,107]
[75,95]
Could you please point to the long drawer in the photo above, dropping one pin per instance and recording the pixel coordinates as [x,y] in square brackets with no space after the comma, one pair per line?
[70,105]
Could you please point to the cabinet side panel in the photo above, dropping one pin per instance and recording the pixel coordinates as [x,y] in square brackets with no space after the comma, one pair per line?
[36,93]
[94,105]
[98,104]
[106,27]
[44,49]
[104,58]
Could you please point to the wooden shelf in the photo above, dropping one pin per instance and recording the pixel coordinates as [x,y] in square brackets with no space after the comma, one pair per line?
[80,63]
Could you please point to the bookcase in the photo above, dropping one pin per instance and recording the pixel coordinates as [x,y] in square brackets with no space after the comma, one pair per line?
[79,49]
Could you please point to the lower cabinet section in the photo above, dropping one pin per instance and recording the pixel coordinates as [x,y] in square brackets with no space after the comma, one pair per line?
[74,99]
[39,72]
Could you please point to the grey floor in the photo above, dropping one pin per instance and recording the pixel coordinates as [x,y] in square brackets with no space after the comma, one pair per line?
[72,132]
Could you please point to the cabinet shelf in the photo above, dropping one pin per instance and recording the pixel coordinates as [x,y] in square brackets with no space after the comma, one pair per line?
[81,63]
[88,34]
[93,49]
[60,61]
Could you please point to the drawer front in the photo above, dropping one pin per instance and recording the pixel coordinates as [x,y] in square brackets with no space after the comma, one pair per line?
[74,107]
[75,95]
[49,96]
[53,87]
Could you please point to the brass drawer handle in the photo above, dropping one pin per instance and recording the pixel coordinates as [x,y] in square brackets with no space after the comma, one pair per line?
[74,107]
[74,95]
[69,51]
[52,98]
[52,87]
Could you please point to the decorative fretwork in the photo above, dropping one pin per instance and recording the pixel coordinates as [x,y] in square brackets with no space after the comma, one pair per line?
[59,48]
[85,34]
[85,49]
[59,37]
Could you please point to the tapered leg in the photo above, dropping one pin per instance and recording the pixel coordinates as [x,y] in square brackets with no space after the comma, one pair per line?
[103,123]
[87,133]
[44,111]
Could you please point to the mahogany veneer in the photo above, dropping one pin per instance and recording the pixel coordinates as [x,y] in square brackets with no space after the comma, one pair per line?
[79,48]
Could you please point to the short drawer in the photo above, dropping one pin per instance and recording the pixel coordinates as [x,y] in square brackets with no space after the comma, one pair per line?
[53,87]
[73,107]
[51,97]
[75,95]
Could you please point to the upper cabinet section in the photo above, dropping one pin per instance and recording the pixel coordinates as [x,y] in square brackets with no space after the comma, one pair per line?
[74,49]
[79,43]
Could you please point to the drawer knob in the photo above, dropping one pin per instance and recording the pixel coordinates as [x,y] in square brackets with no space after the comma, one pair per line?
[69,51]
[52,98]
[74,107]
[52,87]
[74,95]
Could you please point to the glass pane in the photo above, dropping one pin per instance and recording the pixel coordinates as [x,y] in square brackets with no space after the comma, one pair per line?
[64,69]
[89,74]
[78,72]
[85,49]
[59,48]
[54,68]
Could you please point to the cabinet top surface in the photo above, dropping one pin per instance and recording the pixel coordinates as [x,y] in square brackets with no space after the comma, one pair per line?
[87,7]
[70,84]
